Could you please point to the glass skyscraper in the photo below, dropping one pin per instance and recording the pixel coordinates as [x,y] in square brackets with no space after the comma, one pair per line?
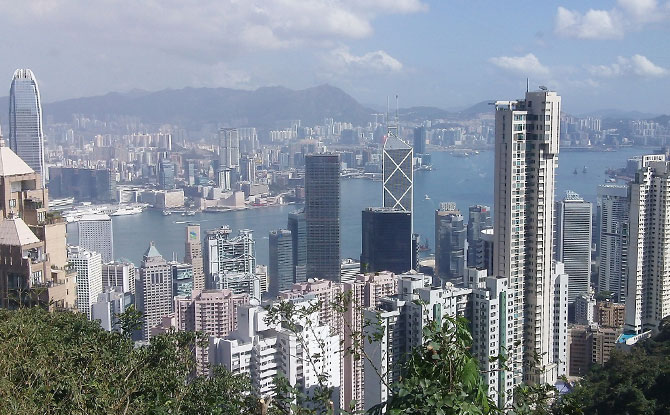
[398,173]
[25,121]
[386,240]
[322,214]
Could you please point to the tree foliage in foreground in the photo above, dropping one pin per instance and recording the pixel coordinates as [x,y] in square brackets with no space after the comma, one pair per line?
[60,363]
[634,382]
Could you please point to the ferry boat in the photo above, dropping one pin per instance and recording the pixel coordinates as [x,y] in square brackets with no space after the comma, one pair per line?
[127,210]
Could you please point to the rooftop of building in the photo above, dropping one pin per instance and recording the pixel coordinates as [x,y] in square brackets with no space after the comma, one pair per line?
[94,217]
[11,164]
[152,251]
[15,232]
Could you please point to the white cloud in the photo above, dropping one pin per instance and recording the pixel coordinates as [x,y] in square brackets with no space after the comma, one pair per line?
[609,24]
[378,61]
[524,65]
[208,26]
[637,65]
[594,24]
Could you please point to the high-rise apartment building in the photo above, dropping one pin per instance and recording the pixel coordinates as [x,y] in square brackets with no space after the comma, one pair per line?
[366,291]
[573,243]
[212,312]
[298,227]
[613,222]
[402,318]
[450,234]
[89,277]
[647,301]
[280,268]
[491,334]
[386,235]
[229,148]
[479,219]
[26,137]
[322,214]
[154,290]
[193,255]
[526,153]
[261,350]
[397,173]
[96,234]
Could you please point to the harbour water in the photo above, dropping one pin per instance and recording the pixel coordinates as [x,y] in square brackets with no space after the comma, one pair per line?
[464,180]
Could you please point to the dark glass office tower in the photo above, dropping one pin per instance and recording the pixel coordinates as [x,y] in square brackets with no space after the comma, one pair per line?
[280,268]
[450,235]
[322,214]
[479,219]
[386,240]
[420,140]
[166,174]
[298,227]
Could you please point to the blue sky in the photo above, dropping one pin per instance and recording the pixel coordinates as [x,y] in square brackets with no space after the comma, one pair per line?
[450,53]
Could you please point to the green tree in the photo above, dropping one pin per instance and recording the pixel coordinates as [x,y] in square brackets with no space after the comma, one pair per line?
[633,382]
[441,377]
[60,363]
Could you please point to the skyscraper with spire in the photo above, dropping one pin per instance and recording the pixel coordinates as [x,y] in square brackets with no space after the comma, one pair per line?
[526,154]
[26,137]
[397,172]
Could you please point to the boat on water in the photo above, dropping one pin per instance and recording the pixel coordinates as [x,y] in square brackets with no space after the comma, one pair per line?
[167,213]
[575,172]
[425,247]
[426,197]
[584,170]
[127,211]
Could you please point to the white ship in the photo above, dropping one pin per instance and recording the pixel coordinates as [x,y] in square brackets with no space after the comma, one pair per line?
[127,210]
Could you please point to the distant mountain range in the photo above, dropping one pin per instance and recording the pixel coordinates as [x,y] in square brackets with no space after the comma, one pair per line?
[267,107]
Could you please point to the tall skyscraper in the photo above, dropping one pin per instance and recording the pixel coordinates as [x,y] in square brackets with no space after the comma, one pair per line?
[647,300]
[231,261]
[526,152]
[613,222]
[397,172]
[386,236]
[229,148]
[193,255]
[154,290]
[166,173]
[573,243]
[322,214]
[96,234]
[450,233]
[479,219]
[89,277]
[182,279]
[420,140]
[366,291]
[298,227]
[280,268]
[26,137]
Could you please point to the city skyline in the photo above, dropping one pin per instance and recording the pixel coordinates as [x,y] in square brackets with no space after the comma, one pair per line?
[600,56]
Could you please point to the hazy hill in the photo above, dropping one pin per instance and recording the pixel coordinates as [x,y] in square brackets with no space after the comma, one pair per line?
[264,107]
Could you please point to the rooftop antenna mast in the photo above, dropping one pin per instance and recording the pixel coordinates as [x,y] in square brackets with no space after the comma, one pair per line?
[397,122]
[527,85]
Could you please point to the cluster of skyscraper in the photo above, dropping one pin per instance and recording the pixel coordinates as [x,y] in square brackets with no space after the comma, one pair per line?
[514,272]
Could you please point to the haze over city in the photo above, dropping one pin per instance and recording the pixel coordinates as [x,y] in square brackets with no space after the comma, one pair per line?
[450,54]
